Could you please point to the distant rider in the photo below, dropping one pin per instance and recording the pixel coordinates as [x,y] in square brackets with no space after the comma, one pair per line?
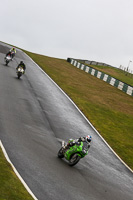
[21,64]
[12,52]
[72,142]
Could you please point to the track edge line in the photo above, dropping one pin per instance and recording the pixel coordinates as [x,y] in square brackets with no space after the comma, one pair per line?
[16,172]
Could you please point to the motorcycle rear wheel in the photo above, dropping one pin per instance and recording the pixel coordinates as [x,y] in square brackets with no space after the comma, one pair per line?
[60,153]
[75,158]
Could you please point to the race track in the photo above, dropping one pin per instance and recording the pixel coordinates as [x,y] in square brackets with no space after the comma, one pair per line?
[35,116]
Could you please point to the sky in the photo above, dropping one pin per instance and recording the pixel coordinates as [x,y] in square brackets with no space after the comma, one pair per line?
[97,30]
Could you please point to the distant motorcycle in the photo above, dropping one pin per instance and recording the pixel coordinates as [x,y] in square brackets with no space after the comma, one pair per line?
[73,154]
[9,57]
[20,72]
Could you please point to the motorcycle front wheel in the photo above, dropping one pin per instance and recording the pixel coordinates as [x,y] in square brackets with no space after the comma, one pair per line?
[19,75]
[60,153]
[75,158]
[7,62]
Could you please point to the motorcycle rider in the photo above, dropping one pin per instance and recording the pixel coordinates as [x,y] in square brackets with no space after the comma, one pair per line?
[78,141]
[21,64]
[12,52]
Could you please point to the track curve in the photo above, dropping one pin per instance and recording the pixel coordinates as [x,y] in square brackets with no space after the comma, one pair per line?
[34,116]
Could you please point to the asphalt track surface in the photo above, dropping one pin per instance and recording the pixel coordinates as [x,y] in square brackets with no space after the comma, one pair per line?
[34,117]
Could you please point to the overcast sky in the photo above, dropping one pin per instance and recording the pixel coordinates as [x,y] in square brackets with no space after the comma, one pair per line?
[99,30]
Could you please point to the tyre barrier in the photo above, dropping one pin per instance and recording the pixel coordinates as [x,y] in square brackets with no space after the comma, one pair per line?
[101,75]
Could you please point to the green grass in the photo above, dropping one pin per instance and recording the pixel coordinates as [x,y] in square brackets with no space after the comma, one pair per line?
[107,108]
[10,186]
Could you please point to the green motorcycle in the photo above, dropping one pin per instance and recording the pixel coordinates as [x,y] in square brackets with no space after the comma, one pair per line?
[73,154]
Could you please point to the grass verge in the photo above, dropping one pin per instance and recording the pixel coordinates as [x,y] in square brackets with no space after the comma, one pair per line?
[10,186]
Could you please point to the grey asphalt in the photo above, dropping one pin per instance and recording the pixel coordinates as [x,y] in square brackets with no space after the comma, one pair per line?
[34,117]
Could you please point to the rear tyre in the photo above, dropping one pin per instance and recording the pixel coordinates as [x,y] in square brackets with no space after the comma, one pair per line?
[75,158]
[60,153]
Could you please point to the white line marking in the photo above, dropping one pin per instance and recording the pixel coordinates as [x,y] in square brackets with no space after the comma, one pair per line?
[16,172]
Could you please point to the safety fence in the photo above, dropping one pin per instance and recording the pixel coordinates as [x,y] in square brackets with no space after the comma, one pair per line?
[101,75]
[90,62]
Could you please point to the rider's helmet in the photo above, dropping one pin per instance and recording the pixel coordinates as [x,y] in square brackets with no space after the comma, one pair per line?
[88,138]
[21,63]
